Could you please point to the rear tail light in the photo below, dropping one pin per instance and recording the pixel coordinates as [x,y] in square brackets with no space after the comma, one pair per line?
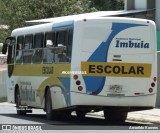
[150,90]
[75,77]
[78,82]
[80,88]
[153,84]
[155,79]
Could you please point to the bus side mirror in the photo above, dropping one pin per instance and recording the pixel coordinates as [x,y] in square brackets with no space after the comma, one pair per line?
[5,45]
[4,48]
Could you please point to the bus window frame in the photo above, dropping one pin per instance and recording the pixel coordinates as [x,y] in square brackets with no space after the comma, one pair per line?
[51,48]
[57,35]
[71,28]
[53,35]
[37,50]
[18,50]
[22,41]
[64,29]
[34,39]
[29,44]
[28,49]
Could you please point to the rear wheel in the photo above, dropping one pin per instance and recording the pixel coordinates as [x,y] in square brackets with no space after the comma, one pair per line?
[48,105]
[21,110]
[80,114]
[115,116]
[65,114]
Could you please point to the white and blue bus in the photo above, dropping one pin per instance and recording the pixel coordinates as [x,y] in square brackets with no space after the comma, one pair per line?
[84,65]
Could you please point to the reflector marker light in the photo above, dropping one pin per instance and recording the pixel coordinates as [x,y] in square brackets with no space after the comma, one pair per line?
[75,77]
[153,84]
[155,79]
[80,88]
[150,90]
[78,82]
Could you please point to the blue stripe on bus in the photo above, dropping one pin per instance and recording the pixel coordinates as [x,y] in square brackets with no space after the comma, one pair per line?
[66,82]
[61,25]
[95,84]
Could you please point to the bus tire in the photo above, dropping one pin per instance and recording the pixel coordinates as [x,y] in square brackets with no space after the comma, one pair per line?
[50,114]
[65,114]
[20,110]
[80,114]
[115,116]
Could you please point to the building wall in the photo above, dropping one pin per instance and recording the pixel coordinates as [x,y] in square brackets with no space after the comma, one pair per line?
[151,4]
[3,85]
[158,14]
[129,5]
[158,48]
[140,4]
[158,82]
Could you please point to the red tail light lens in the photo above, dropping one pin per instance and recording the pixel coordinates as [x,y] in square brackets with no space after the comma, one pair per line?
[150,90]
[153,84]
[75,77]
[155,79]
[80,88]
[78,82]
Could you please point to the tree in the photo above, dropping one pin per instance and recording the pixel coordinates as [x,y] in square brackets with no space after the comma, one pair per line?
[108,5]
[14,13]
[0,48]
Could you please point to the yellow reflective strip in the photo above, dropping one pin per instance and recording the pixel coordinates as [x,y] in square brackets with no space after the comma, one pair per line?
[116,69]
[41,70]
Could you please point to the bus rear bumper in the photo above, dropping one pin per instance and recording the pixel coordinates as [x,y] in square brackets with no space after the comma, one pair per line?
[147,101]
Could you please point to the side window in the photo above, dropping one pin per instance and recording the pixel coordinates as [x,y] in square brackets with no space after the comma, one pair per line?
[62,37]
[20,44]
[28,44]
[62,41]
[48,51]
[27,49]
[38,48]
[69,46]
[50,39]
[38,40]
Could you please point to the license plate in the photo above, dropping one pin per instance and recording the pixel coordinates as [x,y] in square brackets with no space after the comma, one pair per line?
[115,89]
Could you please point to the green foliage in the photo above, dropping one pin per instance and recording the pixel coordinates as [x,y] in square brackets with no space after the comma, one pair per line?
[4,33]
[108,5]
[14,13]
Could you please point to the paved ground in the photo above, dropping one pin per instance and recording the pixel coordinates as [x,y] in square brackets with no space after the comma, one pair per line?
[3,67]
[152,116]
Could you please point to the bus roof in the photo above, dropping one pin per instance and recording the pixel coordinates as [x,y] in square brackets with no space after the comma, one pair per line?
[59,23]
[42,27]
[88,15]
[32,29]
